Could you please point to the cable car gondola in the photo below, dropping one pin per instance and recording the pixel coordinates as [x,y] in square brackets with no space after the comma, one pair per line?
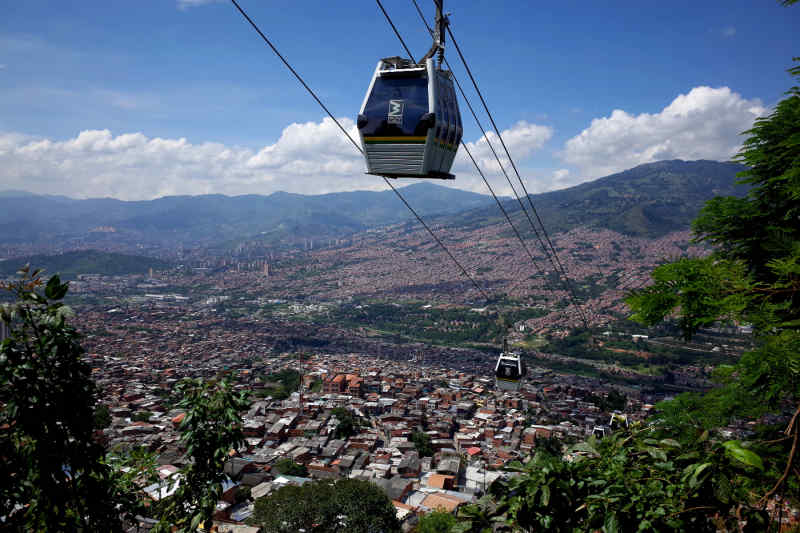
[409,123]
[509,370]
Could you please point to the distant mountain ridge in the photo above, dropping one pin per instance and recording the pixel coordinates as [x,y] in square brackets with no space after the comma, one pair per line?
[649,200]
[25,217]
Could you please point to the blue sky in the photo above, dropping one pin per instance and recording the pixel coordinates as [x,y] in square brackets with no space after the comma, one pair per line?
[193,102]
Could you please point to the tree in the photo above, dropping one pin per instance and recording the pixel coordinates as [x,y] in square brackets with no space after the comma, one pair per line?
[348,424]
[752,276]
[102,417]
[209,431]
[344,505]
[615,401]
[436,522]
[677,472]
[55,477]
[422,443]
[290,468]
[141,416]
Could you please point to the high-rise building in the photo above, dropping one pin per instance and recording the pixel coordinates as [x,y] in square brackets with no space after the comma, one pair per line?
[3,330]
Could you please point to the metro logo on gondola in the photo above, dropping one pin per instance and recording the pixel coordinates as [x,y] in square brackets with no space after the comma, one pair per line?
[395,112]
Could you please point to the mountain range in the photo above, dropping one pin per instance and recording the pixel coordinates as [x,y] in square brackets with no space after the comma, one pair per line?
[25,217]
[649,200]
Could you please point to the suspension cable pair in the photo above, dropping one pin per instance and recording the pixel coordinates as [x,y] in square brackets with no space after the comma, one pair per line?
[559,268]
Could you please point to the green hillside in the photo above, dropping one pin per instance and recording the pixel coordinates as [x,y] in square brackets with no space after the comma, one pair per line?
[650,200]
[70,264]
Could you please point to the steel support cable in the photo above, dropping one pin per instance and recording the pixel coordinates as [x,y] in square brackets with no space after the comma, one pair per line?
[561,272]
[516,171]
[477,167]
[508,154]
[491,146]
[357,147]
[508,218]
[296,75]
[558,268]
[463,270]
[389,20]
[626,279]
[503,209]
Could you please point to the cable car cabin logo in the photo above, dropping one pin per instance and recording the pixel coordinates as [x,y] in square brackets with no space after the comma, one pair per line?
[395,115]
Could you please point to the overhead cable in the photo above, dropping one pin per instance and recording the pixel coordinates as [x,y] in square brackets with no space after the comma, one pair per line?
[474,162]
[560,271]
[516,171]
[357,147]
[389,20]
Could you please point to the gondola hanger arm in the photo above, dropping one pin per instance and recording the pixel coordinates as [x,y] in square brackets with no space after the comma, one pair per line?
[442,21]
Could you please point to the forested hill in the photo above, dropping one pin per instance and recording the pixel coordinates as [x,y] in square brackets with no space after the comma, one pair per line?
[649,200]
[68,265]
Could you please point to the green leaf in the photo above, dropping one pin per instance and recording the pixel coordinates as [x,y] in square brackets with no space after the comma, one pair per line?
[657,453]
[734,449]
[461,527]
[698,469]
[611,523]
[723,489]
[51,287]
[672,443]
[545,498]
[586,447]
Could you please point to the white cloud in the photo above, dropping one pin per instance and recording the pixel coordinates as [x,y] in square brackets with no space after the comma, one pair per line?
[704,124]
[309,158]
[560,175]
[186,4]
[522,139]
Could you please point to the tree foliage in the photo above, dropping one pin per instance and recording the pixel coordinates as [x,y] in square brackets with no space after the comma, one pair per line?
[348,423]
[422,443]
[753,274]
[102,417]
[679,472]
[55,476]
[282,384]
[436,522]
[290,468]
[345,505]
[614,401]
[637,480]
[210,430]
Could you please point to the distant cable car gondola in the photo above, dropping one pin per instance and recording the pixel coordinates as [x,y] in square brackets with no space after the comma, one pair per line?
[409,123]
[509,370]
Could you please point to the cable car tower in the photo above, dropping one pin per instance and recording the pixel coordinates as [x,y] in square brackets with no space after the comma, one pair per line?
[509,370]
[409,123]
